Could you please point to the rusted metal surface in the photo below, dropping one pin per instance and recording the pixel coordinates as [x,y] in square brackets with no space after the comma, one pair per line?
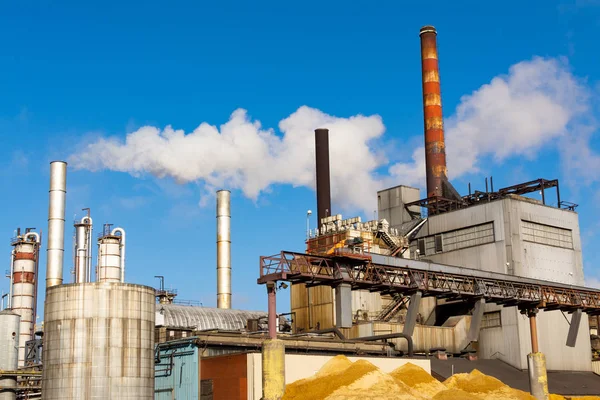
[24,282]
[272,310]
[363,274]
[533,330]
[435,148]
[323,178]
[24,277]
[439,204]
[24,256]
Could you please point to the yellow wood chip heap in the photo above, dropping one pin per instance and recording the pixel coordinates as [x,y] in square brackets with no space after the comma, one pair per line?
[342,379]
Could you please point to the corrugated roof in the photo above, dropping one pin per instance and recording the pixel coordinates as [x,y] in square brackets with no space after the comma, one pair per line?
[202,318]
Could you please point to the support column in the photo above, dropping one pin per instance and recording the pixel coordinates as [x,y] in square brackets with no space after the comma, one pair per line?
[533,329]
[476,319]
[574,328]
[273,354]
[536,362]
[411,315]
[272,310]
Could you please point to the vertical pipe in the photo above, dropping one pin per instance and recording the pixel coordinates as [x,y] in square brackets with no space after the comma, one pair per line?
[272,310]
[486,186]
[435,148]
[492,184]
[558,198]
[56,223]
[323,174]
[81,235]
[89,252]
[469,188]
[533,329]
[12,274]
[122,249]
[543,193]
[223,249]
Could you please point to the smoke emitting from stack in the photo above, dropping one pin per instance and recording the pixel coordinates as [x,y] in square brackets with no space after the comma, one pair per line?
[435,148]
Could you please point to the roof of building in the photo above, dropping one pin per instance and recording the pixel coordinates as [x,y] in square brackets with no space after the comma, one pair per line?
[204,318]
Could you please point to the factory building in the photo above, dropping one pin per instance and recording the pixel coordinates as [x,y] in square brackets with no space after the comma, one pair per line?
[376,290]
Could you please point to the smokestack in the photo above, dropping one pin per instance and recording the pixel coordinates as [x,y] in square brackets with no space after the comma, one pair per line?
[323,182]
[435,149]
[56,223]
[223,249]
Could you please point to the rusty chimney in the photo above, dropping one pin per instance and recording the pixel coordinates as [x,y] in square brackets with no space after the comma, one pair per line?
[323,182]
[435,149]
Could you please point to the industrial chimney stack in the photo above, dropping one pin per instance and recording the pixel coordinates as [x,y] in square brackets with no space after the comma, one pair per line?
[224,249]
[323,179]
[56,223]
[435,149]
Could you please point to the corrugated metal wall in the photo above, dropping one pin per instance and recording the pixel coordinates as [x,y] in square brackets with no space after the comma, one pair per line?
[176,376]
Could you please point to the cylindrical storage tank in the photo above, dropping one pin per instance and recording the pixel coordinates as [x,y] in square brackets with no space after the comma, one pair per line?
[9,345]
[109,259]
[23,292]
[99,342]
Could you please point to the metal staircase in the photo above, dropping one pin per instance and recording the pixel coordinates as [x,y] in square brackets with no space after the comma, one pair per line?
[393,244]
[392,309]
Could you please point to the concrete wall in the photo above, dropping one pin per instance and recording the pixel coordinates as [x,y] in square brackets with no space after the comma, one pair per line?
[299,366]
[517,251]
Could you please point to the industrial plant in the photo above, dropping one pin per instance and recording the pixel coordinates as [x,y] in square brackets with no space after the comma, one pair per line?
[491,279]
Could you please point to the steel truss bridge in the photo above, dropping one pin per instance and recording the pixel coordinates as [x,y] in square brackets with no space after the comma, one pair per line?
[389,275]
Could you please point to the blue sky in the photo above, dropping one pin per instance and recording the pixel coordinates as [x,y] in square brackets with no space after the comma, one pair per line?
[520,87]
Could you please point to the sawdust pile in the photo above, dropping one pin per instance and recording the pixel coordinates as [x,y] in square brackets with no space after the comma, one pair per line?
[485,387]
[418,379]
[342,379]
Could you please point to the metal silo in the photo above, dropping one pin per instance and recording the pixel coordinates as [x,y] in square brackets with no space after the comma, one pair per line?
[111,256]
[99,342]
[24,281]
[98,336]
[9,345]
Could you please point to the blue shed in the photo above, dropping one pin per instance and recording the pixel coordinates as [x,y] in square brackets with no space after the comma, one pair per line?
[176,370]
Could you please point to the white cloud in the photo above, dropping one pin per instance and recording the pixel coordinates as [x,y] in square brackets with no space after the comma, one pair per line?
[241,154]
[538,103]
[513,115]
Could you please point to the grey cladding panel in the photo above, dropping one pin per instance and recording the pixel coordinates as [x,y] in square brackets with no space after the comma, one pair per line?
[546,234]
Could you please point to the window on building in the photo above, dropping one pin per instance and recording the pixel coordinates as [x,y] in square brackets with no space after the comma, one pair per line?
[491,319]
[422,247]
[439,245]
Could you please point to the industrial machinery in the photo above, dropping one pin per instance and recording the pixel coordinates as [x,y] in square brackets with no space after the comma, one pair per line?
[9,349]
[23,289]
[98,336]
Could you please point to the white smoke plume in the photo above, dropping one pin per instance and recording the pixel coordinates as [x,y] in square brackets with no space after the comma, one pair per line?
[241,154]
[515,114]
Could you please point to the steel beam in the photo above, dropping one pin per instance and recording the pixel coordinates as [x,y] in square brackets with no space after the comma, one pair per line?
[574,328]
[476,319]
[411,315]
